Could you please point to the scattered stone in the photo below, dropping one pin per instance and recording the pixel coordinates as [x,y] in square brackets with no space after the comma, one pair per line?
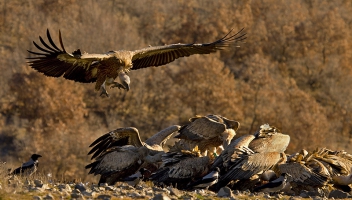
[174,191]
[295,198]
[103,184]
[161,196]
[37,198]
[246,192]
[28,183]
[157,189]
[37,189]
[104,197]
[304,194]
[81,187]
[135,194]
[45,186]
[338,194]
[127,187]
[76,191]
[38,183]
[307,194]
[64,187]
[149,193]
[225,192]
[90,194]
[48,197]
[236,192]
[76,195]
[109,188]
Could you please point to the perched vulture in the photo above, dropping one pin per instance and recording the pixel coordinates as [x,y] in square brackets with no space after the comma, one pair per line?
[106,67]
[28,168]
[249,164]
[234,150]
[180,168]
[120,153]
[319,168]
[269,139]
[208,132]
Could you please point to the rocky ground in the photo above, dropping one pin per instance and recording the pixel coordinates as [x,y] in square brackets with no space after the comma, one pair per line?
[16,188]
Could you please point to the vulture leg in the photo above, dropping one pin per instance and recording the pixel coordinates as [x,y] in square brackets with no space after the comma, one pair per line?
[103,90]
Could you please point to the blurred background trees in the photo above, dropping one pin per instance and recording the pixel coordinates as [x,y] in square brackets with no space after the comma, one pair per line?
[293,72]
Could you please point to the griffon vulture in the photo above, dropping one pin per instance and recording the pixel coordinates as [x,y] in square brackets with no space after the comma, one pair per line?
[106,67]
[208,132]
[120,153]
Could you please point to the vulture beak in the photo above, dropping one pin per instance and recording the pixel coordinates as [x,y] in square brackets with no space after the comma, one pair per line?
[125,80]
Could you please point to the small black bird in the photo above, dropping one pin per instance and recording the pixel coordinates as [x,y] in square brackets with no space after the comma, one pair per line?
[274,186]
[207,181]
[28,168]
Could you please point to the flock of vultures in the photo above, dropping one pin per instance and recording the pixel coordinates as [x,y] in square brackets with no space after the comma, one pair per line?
[207,153]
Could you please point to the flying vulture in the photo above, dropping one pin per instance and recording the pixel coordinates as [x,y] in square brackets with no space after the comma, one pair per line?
[106,67]
[28,168]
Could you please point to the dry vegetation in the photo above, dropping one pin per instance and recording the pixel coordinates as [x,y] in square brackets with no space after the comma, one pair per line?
[294,72]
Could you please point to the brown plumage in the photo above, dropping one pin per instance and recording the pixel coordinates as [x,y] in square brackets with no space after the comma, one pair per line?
[105,68]
[120,153]
[268,139]
[208,132]
[234,150]
[179,168]
[305,170]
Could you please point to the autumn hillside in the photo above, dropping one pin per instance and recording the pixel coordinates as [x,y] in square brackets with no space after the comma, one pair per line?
[293,72]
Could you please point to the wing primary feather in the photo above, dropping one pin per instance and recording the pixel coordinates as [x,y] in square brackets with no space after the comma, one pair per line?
[100,145]
[40,48]
[45,44]
[103,137]
[62,45]
[51,40]
[99,150]
[41,54]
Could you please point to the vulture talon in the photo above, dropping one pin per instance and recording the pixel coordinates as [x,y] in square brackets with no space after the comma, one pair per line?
[118,85]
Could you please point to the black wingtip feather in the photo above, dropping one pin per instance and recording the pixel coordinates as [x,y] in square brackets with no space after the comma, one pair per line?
[51,40]
[103,137]
[62,45]
[42,49]
[97,146]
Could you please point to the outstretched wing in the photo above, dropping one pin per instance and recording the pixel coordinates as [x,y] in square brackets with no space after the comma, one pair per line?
[118,137]
[203,128]
[161,137]
[161,55]
[53,61]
